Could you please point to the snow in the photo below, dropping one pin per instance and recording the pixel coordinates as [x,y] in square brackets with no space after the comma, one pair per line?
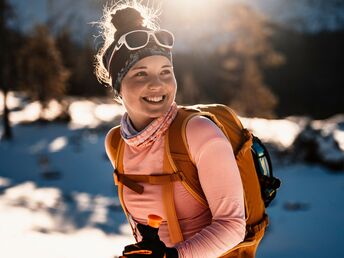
[58,144]
[37,220]
[281,132]
[314,230]
[339,137]
[57,197]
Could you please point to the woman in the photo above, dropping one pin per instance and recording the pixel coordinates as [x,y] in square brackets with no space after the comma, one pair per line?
[137,61]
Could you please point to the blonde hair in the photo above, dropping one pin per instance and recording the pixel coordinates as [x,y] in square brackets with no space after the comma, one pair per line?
[108,30]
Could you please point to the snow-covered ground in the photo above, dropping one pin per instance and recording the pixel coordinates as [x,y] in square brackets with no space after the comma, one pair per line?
[57,198]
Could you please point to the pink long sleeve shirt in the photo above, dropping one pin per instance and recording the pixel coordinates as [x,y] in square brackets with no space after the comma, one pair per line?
[207,232]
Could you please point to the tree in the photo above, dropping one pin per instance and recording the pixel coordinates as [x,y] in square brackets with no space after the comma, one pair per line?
[78,59]
[242,60]
[6,62]
[42,72]
[191,93]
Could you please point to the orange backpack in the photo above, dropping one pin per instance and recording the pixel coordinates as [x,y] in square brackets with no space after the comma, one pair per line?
[255,170]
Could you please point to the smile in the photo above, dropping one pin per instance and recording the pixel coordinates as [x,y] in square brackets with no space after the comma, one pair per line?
[155,99]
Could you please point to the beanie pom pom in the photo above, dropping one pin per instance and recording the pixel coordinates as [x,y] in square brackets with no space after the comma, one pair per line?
[126,19]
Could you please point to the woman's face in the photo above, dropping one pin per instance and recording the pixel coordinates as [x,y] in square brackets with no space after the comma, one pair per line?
[148,90]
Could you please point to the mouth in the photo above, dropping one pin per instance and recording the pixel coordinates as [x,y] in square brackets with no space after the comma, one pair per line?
[154,99]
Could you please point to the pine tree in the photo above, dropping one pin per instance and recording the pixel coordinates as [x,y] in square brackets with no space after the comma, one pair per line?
[42,72]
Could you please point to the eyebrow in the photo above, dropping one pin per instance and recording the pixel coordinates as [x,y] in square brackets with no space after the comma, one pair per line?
[145,67]
[139,67]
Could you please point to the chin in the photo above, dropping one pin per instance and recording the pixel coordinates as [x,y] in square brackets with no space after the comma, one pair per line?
[157,113]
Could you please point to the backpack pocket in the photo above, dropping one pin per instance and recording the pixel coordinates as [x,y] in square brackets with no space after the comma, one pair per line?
[248,247]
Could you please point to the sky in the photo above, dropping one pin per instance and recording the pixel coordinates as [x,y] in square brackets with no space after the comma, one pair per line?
[79,14]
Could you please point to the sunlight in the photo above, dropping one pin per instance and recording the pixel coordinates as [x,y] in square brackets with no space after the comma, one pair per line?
[12,101]
[53,110]
[197,10]
[83,201]
[107,112]
[266,129]
[58,144]
[82,114]
[4,182]
[34,197]
[24,212]
[339,137]
[191,11]
[196,23]
[192,5]
[30,113]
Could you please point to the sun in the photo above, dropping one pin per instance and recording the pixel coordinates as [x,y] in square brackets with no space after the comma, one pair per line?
[191,10]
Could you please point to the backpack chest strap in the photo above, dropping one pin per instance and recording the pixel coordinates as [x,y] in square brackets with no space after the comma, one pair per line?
[132,181]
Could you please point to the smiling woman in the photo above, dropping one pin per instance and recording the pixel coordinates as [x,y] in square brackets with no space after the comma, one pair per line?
[136,60]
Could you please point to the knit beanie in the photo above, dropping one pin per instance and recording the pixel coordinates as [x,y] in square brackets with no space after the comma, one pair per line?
[119,63]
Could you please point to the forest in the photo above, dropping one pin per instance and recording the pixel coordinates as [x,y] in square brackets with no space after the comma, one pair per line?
[287,71]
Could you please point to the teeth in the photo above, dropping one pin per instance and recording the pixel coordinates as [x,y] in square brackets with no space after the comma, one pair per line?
[154,99]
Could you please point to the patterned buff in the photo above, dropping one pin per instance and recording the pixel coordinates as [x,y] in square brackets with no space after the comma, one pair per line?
[151,133]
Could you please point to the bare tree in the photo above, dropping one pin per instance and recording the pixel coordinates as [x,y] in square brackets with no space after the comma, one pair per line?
[248,50]
[42,72]
[6,13]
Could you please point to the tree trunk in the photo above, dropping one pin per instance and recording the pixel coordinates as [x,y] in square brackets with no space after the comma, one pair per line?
[7,135]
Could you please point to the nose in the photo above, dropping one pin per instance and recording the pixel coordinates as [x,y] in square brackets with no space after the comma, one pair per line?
[155,82]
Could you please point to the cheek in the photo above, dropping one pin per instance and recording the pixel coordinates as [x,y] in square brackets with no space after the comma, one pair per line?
[130,94]
[125,93]
[173,85]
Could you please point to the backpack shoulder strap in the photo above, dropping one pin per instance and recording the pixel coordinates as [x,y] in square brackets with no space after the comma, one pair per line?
[179,155]
[115,150]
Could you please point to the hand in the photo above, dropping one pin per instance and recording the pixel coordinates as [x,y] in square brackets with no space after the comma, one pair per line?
[150,246]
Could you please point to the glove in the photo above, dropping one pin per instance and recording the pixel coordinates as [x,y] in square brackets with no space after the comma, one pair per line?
[150,246]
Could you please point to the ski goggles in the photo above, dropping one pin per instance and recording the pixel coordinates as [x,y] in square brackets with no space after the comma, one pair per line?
[138,39]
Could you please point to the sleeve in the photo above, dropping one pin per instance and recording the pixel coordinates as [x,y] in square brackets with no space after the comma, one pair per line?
[220,180]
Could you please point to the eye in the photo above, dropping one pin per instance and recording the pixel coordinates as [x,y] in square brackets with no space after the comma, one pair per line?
[140,74]
[165,72]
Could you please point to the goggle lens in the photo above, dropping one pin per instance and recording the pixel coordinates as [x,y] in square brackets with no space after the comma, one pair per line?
[165,38]
[136,39]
